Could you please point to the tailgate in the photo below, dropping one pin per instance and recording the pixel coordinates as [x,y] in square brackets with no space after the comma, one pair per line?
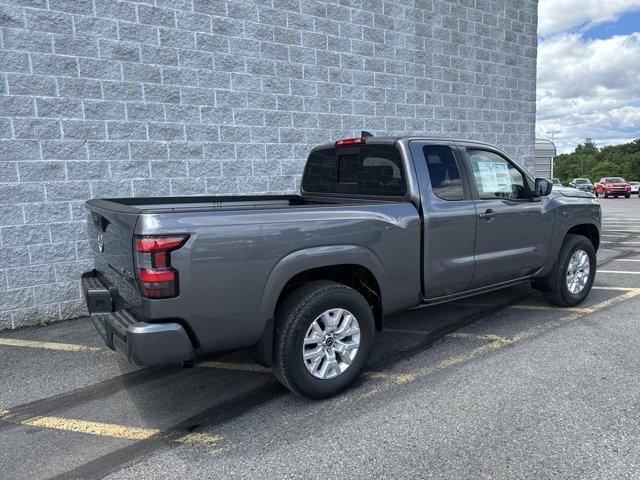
[111,242]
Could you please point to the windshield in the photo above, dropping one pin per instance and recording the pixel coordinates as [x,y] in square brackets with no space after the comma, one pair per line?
[556,181]
[614,180]
[581,180]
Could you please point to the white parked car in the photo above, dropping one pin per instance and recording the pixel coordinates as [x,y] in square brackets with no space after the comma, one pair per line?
[635,187]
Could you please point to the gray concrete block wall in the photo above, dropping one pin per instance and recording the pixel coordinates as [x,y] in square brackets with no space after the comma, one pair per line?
[102,98]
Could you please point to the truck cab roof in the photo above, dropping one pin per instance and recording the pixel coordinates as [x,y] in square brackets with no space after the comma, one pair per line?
[391,140]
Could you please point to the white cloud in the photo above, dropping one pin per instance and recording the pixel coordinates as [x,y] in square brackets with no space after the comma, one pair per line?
[560,15]
[589,88]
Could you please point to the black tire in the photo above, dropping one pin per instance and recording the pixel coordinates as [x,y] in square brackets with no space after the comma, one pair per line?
[293,319]
[627,196]
[605,195]
[554,286]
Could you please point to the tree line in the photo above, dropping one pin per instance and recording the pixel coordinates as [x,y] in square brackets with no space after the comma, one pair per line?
[589,161]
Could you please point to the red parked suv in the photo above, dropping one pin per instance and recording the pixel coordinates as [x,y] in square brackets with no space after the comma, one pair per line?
[612,186]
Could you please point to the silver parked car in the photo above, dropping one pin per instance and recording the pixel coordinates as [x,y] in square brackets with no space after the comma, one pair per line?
[635,187]
[557,182]
[583,184]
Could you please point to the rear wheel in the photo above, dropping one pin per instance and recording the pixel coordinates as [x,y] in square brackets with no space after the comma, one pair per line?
[571,277]
[324,336]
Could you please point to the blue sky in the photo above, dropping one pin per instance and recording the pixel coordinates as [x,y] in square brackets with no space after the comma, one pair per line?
[629,22]
[589,71]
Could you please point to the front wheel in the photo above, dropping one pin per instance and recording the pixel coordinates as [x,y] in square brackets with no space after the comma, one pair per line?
[324,336]
[572,275]
[627,195]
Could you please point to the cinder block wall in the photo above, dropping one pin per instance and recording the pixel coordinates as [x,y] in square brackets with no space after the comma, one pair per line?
[100,98]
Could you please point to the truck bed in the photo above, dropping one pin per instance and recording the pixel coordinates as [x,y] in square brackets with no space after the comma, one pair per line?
[209,203]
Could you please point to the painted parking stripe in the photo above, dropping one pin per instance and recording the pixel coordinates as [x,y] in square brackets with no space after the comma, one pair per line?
[236,366]
[465,335]
[101,429]
[489,337]
[530,307]
[67,347]
[622,272]
[621,289]
[252,367]
[626,259]
[623,243]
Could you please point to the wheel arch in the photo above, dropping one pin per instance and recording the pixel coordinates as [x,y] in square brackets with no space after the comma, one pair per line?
[316,263]
[352,265]
[588,230]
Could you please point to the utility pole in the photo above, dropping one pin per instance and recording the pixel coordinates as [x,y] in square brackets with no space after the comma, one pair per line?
[553,134]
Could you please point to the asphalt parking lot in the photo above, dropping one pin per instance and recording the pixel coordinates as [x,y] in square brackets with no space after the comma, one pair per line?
[497,386]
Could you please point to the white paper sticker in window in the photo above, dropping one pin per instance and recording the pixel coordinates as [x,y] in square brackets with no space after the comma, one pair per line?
[494,176]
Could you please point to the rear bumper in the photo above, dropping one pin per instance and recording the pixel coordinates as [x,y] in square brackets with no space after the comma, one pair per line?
[141,343]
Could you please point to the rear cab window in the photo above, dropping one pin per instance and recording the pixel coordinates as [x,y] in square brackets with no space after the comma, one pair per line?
[365,170]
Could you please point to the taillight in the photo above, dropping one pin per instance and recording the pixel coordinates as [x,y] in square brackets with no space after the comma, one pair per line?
[156,277]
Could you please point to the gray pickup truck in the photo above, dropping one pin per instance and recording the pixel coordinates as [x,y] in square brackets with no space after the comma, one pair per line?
[381,225]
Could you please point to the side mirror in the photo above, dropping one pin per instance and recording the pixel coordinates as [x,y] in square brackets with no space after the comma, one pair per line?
[542,187]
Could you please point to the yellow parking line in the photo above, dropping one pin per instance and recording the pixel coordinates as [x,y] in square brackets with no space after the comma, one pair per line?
[623,243]
[101,429]
[548,307]
[624,272]
[475,336]
[530,307]
[252,367]
[406,330]
[479,336]
[394,377]
[621,289]
[237,366]
[67,347]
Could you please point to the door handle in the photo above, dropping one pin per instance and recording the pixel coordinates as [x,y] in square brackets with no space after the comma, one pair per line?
[489,215]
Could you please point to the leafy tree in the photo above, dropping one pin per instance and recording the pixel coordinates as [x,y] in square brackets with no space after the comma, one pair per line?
[587,148]
[587,160]
[632,167]
[605,169]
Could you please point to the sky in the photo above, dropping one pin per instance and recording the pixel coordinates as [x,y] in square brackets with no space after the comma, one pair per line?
[588,71]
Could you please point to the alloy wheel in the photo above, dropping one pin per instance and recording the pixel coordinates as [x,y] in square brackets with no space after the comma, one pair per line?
[578,272]
[331,343]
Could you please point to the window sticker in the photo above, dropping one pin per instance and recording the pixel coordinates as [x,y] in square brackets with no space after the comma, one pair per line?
[494,176]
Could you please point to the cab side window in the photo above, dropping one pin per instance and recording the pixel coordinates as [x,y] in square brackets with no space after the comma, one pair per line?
[443,172]
[496,177]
